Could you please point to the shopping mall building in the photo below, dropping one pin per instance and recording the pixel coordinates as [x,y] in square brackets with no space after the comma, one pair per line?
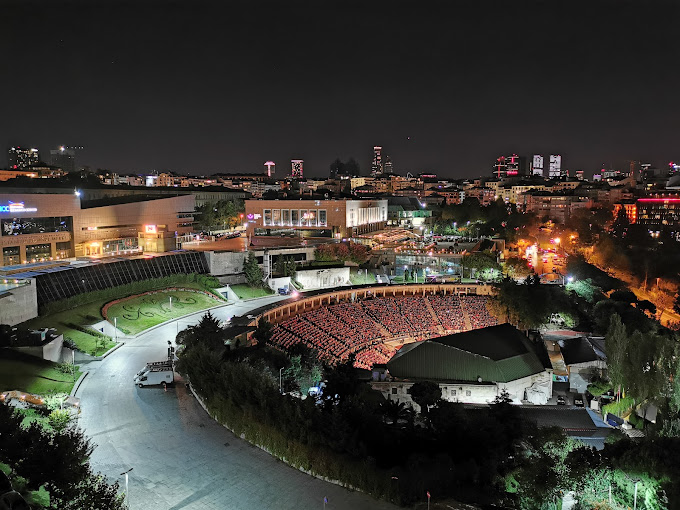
[39,227]
[315,218]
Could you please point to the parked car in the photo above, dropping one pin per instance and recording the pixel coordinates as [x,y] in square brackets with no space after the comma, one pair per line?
[561,401]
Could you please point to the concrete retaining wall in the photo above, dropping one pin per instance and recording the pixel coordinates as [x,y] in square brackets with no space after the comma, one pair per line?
[19,304]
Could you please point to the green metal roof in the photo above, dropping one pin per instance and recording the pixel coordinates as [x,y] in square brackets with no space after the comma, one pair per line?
[439,360]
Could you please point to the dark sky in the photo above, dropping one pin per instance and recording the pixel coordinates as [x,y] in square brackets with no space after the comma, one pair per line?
[202,87]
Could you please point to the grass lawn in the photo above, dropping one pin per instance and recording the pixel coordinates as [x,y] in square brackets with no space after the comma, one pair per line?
[19,371]
[142,312]
[84,315]
[245,291]
[359,277]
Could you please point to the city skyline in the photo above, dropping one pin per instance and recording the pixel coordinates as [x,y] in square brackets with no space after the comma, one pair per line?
[217,89]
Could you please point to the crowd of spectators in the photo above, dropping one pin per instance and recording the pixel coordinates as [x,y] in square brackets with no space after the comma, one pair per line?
[476,308]
[360,328]
[449,312]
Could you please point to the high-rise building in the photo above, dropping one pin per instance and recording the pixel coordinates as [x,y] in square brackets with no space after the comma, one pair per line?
[296,168]
[387,167]
[377,165]
[22,158]
[537,165]
[580,176]
[64,158]
[509,166]
[555,168]
[271,168]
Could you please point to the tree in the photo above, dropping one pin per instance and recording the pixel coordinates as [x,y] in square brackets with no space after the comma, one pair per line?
[617,351]
[517,267]
[425,394]
[252,270]
[286,266]
[394,411]
[263,333]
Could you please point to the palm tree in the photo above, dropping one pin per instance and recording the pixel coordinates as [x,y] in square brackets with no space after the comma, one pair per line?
[393,411]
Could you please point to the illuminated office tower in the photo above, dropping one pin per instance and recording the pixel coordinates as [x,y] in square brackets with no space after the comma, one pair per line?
[271,168]
[555,169]
[376,165]
[18,157]
[296,168]
[537,165]
[64,158]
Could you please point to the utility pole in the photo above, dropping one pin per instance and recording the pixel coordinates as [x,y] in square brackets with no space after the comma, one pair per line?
[127,499]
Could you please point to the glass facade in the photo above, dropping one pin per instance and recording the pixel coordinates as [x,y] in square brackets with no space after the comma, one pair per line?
[18,226]
[38,251]
[10,255]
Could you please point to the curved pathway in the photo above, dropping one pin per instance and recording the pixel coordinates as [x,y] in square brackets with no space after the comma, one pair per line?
[181,458]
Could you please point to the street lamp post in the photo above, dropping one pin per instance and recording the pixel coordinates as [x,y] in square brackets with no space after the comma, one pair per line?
[170,302]
[635,495]
[281,380]
[115,328]
[127,499]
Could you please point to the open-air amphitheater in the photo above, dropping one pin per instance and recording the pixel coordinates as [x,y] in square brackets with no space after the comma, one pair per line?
[373,323]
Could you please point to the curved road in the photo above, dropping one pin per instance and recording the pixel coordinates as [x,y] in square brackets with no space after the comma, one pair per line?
[181,458]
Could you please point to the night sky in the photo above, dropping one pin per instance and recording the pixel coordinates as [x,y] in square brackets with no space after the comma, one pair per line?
[200,87]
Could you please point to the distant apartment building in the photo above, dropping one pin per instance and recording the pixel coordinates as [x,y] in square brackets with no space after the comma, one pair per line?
[484,196]
[558,207]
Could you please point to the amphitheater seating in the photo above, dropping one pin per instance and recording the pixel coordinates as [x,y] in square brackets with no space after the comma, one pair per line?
[361,328]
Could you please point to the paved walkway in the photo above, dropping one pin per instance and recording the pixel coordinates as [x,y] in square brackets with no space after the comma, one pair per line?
[181,458]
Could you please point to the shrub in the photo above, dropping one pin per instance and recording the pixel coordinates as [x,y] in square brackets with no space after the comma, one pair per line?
[59,419]
[598,387]
[619,408]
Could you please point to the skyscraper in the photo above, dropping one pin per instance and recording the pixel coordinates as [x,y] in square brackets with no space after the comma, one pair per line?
[64,158]
[377,166]
[387,167]
[537,165]
[296,168]
[271,168]
[555,169]
[509,166]
[22,158]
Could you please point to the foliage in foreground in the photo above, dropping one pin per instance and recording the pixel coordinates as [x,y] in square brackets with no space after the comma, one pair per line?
[51,468]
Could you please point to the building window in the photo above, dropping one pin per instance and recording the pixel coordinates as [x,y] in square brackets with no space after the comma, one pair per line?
[453,393]
[276,217]
[267,217]
[322,217]
[294,217]
[394,391]
[468,393]
[38,251]
[285,216]
[304,214]
[311,217]
[10,256]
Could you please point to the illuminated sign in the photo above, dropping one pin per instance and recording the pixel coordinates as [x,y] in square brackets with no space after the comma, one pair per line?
[150,229]
[16,207]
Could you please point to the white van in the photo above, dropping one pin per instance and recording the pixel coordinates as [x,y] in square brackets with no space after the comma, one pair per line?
[155,373]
